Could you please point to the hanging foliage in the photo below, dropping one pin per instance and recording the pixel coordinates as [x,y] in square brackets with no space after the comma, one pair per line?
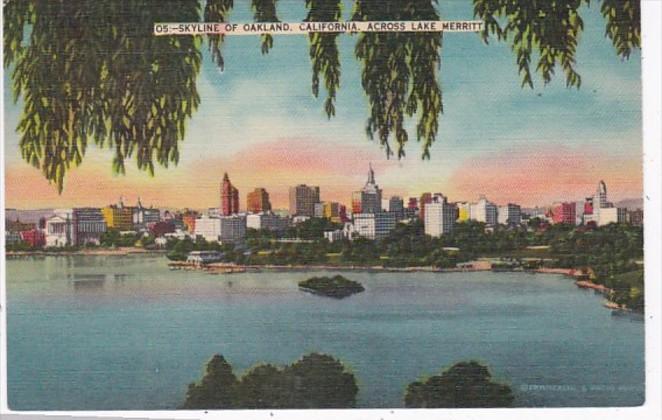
[400,73]
[92,71]
[324,50]
[552,28]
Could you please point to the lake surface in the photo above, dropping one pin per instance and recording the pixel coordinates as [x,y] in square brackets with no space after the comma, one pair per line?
[103,333]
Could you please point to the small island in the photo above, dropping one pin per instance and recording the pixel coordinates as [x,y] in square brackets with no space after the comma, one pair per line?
[337,286]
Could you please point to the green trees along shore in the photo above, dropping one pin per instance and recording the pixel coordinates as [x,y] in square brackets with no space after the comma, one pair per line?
[321,381]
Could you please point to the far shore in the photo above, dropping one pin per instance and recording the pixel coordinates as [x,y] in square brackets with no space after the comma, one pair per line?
[123,250]
[475,266]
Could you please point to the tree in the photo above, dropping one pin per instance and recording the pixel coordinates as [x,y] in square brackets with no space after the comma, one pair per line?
[314,381]
[463,385]
[81,79]
[217,389]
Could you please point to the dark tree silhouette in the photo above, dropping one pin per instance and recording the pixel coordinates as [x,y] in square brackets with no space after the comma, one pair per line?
[463,385]
[217,389]
[314,381]
[92,71]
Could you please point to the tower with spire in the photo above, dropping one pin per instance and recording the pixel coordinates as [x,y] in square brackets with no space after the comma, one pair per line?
[369,199]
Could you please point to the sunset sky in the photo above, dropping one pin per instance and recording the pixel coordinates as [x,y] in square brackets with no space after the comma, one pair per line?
[259,122]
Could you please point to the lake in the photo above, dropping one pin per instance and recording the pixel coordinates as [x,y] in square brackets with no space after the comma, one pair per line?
[109,332]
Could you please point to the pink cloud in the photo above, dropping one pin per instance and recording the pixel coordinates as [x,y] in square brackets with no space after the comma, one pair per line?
[541,176]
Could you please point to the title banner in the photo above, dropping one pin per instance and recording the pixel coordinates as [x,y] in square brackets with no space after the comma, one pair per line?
[284,28]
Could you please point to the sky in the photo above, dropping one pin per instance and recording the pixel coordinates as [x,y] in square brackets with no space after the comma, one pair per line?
[259,121]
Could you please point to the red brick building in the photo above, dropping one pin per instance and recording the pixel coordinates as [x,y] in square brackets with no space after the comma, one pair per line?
[229,197]
[564,213]
[34,237]
[258,201]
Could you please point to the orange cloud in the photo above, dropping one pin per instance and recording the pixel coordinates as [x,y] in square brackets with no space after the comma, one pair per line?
[275,165]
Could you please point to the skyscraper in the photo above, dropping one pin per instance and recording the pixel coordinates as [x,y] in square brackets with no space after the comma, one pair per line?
[258,201]
[229,197]
[440,216]
[303,199]
[397,207]
[425,199]
[484,211]
[370,197]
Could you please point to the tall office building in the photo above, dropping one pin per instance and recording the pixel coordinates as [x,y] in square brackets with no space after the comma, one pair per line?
[303,199]
[426,198]
[397,206]
[440,216]
[484,211]
[369,199]
[510,214]
[258,201]
[229,197]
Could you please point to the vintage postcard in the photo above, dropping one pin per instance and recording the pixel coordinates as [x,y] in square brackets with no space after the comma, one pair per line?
[323,204]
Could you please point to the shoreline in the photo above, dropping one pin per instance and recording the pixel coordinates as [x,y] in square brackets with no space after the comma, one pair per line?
[119,251]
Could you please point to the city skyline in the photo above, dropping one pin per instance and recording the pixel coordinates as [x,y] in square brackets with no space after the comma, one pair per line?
[527,146]
[240,199]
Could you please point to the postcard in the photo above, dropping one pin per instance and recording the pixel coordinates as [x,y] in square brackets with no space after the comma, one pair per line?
[237,208]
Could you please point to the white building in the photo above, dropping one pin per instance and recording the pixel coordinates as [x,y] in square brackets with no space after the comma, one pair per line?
[373,225]
[267,221]
[510,214]
[612,215]
[144,217]
[208,228]
[440,216]
[226,229]
[334,235]
[59,231]
[318,210]
[299,219]
[484,211]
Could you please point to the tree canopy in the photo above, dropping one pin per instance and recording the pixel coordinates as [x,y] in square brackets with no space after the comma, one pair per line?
[314,381]
[463,385]
[91,71]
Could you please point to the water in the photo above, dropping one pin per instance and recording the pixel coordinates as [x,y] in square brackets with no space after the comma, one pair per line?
[103,333]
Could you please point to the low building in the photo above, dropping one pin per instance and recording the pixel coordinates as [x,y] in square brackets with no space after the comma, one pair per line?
[334,235]
[188,218]
[33,237]
[636,217]
[374,226]
[12,237]
[59,232]
[144,217]
[267,221]
[612,215]
[88,226]
[118,216]
[163,228]
[203,257]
